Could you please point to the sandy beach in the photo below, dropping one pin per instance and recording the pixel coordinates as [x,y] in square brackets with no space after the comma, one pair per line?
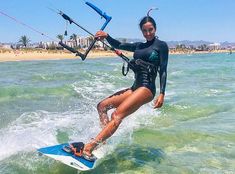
[23,55]
[26,55]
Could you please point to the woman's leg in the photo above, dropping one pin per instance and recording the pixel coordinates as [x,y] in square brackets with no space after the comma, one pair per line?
[133,102]
[112,101]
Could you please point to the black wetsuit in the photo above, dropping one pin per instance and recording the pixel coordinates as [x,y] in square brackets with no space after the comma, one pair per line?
[154,52]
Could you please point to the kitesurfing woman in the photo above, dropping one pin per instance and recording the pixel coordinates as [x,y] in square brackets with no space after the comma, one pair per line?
[154,53]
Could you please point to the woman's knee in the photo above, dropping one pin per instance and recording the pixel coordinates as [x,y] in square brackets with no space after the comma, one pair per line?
[103,107]
[100,106]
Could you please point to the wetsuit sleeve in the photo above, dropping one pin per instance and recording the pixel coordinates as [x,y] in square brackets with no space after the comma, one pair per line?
[163,54]
[123,46]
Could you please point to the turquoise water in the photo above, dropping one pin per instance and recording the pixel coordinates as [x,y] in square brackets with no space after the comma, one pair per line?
[49,102]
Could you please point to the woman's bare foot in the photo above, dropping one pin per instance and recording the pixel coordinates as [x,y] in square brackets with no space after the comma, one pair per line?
[88,148]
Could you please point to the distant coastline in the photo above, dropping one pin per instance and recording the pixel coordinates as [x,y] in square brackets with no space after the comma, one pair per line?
[34,54]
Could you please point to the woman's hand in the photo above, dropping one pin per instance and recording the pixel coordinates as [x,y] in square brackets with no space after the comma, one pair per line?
[159,101]
[101,35]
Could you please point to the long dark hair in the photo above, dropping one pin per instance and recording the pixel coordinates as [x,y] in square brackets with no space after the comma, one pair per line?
[146,19]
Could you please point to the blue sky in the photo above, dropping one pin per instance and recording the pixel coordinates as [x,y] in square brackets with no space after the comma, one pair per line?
[209,20]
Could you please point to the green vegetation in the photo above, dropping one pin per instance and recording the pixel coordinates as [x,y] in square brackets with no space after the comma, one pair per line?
[60,37]
[24,40]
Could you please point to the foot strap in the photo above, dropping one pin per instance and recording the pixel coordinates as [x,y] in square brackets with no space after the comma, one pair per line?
[77,148]
[89,158]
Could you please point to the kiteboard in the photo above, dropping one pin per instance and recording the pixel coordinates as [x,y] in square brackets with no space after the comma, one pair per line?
[57,153]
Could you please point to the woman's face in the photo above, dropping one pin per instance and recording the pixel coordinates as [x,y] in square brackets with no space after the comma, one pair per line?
[148,31]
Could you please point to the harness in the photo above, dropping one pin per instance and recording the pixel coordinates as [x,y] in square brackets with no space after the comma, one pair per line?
[137,64]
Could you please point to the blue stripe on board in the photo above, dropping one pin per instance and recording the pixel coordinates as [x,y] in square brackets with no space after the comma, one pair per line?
[57,150]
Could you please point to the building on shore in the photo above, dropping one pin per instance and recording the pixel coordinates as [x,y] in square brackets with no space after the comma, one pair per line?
[5,46]
[214,46]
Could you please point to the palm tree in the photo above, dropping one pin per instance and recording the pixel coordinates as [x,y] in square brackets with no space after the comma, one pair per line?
[203,47]
[74,38]
[24,40]
[60,37]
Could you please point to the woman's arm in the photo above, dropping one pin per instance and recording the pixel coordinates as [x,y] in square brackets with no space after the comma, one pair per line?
[163,55]
[100,35]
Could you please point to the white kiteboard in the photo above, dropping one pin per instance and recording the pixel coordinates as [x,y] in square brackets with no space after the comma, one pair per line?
[56,152]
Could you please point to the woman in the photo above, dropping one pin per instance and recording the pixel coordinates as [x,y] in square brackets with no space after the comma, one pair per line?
[127,101]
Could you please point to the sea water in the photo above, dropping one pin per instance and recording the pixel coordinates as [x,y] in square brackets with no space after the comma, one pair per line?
[49,102]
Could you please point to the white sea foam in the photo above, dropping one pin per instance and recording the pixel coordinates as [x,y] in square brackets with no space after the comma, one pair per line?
[38,129]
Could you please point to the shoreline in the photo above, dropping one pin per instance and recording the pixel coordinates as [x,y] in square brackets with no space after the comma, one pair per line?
[31,55]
